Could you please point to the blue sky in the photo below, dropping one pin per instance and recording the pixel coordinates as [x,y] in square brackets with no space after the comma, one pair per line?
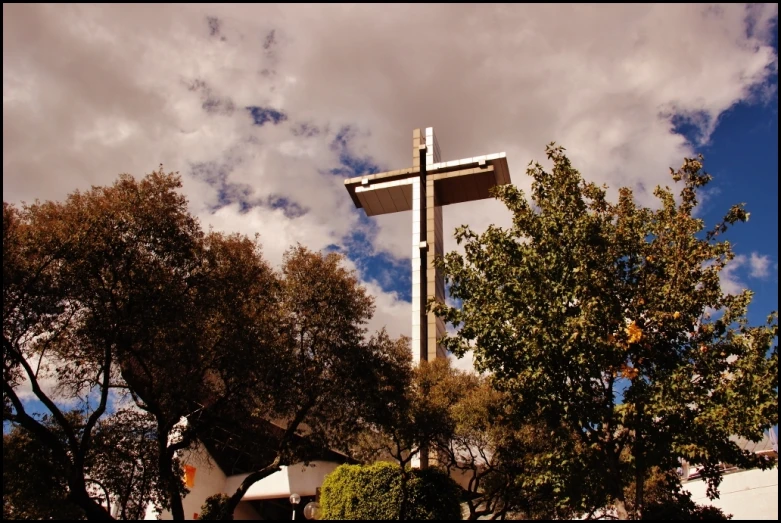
[742,156]
[265,109]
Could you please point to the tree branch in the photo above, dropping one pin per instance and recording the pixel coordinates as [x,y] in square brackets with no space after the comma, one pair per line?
[58,415]
[86,437]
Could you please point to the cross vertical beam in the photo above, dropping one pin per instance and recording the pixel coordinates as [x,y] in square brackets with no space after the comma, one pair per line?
[419,231]
[435,281]
[427,243]
[423,189]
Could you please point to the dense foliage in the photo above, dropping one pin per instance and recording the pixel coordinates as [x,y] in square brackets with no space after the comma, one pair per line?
[467,429]
[607,321]
[117,294]
[121,469]
[374,492]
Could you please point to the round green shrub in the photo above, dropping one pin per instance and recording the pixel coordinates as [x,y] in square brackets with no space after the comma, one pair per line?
[373,492]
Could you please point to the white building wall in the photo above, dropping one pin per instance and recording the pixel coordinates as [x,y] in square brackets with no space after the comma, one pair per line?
[749,494]
[209,480]
[299,479]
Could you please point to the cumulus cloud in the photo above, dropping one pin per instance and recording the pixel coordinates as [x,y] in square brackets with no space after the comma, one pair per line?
[264,109]
[760,265]
[731,283]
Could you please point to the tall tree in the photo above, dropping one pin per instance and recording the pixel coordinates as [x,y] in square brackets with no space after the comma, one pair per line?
[332,382]
[37,316]
[102,288]
[120,469]
[610,318]
[507,462]
[118,290]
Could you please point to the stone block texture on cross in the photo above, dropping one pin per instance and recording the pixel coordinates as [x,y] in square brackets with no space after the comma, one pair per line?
[424,189]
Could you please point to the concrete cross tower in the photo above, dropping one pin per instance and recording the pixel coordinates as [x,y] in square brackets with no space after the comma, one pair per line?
[424,189]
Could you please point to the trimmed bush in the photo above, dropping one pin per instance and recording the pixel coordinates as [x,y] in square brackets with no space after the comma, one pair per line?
[214,508]
[373,492]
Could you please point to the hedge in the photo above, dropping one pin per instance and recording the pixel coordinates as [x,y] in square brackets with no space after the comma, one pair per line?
[373,492]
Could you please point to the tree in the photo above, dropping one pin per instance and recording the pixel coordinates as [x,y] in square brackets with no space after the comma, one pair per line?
[124,463]
[120,469]
[33,486]
[374,492]
[465,426]
[117,290]
[507,461]
[413,419]
[101,292]
[36,316]
[333,381]
[666,500]
[610,319]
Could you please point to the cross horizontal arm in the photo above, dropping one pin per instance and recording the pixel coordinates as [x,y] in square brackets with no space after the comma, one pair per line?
[456,181]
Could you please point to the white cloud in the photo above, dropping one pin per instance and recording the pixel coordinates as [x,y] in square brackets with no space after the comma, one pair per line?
[51,387]
[466,364]
[391,312]
[760,265]
[730,281]
[90,91]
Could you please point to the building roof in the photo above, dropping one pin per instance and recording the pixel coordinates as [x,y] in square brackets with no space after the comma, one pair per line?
[762,446]
[250,444]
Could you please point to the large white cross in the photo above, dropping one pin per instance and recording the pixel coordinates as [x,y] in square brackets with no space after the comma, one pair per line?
[423,189]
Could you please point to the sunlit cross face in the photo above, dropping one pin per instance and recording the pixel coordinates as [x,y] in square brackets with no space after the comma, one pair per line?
[424,189]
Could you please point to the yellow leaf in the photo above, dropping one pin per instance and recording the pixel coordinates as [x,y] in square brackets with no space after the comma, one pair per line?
[634,333]
[629,372]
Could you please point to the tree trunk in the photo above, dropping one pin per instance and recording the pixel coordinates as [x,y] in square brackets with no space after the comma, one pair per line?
[175,497]
[250,480]
[621,512]
[94,511]
[172,482]
[614,478]
[639,465]
[404,496]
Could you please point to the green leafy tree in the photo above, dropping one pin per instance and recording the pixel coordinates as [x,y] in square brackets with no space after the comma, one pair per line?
[666,500]
[507,462]
[413,419]
[582,297]
[466,427]
[374,492]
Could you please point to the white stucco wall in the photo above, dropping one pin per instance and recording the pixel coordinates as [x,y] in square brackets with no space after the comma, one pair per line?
[298,478]
[209,480]
[750,494]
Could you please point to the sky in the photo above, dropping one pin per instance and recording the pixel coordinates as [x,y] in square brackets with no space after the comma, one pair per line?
[265,109]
